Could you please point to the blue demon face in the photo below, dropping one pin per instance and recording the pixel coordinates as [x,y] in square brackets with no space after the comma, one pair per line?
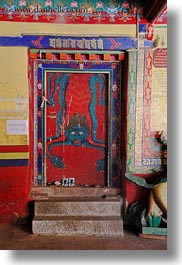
[76,135]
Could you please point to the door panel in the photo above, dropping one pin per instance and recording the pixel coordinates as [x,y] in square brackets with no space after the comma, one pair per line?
[77,126]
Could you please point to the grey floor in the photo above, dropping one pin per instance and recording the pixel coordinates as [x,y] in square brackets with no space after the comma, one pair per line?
[20,237]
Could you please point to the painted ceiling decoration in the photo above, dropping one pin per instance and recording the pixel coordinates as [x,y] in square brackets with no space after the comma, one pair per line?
[70,11]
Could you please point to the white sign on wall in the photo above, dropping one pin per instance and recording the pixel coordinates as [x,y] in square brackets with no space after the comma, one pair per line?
[17,127]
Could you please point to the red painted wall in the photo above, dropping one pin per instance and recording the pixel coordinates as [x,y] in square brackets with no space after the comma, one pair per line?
[14,193]
[15,186]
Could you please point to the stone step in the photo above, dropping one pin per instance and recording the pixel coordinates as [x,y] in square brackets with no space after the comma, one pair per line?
[78,207]
[53,191]
[75,225]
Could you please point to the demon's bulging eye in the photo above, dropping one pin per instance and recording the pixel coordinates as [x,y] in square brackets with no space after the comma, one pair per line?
[73,132]
[81,133]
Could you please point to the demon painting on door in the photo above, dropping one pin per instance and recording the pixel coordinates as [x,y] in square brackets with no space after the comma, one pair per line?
[76,112]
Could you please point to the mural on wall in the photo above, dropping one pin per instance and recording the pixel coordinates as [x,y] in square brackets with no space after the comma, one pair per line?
[154,153]
[72,103]
[69,11]
[131,107]
[155,96]
[147,122]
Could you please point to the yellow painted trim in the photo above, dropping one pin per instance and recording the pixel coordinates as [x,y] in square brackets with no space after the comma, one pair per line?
[23,155]
[19,28]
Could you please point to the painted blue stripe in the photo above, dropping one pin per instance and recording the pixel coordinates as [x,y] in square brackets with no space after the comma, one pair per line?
[60,42]
[147,43]
[142,28]
[11,41]
[13,162]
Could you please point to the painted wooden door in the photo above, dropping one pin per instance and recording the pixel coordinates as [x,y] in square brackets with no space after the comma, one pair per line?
[76,127]
[77,122]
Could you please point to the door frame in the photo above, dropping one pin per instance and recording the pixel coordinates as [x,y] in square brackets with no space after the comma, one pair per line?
[110,67]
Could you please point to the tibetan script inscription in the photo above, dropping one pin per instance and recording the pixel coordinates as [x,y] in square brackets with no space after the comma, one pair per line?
[69,43]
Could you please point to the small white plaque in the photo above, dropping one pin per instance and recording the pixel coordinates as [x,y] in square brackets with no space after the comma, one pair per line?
[17,127]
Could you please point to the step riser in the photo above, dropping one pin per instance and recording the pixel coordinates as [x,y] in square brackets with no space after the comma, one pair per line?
[75,228]
[78,208]
[47,192]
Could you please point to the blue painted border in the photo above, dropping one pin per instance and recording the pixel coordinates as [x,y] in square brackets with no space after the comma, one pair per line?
[13,162]
[68,42]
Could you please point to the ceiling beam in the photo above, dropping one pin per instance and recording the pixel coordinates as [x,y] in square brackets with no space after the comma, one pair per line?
[153,9]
